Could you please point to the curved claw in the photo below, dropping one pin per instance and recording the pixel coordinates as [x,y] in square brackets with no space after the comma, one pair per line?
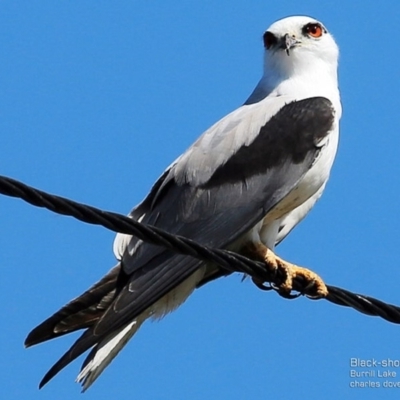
[262,285]
[310,296]
[289,273]
[284,293]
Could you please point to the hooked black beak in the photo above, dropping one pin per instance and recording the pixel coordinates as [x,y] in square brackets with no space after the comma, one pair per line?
[288,42]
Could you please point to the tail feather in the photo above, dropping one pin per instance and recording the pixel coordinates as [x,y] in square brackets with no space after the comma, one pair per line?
[104,352]
[82,312]
[85,342]
[88,310]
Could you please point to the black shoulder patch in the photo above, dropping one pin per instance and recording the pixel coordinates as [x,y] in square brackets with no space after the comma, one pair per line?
[288,136]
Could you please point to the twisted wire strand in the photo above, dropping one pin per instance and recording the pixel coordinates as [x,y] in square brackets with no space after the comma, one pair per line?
[228,260]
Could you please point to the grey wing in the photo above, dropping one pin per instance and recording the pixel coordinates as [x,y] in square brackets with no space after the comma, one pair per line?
[215,207]
[216,211]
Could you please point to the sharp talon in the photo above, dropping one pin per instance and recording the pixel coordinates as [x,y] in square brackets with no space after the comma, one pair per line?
[308,288]
[262,285]
[310,283]
[289,296]
[284,293]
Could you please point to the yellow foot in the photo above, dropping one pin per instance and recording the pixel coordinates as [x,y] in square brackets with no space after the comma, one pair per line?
[313,285]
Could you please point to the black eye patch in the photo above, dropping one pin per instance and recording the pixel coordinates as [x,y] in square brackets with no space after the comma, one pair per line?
[269,40]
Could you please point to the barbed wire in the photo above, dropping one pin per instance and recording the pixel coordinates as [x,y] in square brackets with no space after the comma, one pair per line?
[232,262]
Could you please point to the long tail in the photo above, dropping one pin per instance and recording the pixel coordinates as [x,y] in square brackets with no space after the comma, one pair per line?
[80,313]
[87,310]
[83,313]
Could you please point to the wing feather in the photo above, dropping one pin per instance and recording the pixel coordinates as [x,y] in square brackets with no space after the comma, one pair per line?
[217,212]
[217,191]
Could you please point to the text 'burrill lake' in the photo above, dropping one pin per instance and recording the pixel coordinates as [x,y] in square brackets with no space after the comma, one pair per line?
[374,373]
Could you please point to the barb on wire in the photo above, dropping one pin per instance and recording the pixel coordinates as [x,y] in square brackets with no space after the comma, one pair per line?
[228,260]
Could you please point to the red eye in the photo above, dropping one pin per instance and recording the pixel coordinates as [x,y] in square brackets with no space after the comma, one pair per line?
[314,30]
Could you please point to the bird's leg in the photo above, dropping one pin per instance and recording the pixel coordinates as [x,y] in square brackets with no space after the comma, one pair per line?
[312,283]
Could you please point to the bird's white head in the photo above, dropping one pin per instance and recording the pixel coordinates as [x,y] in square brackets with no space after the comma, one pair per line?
[299,46]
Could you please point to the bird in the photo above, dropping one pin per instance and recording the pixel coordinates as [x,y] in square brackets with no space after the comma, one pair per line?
[243,185]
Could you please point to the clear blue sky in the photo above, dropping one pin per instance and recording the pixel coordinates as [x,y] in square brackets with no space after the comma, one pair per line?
[96,99]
